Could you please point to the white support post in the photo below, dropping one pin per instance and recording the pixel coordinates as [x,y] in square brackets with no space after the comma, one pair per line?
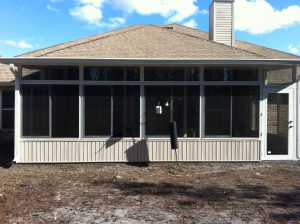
[261,77]
[201,113]
[18,113]
[142,105]
[201,103]
[297,116]
[81,102]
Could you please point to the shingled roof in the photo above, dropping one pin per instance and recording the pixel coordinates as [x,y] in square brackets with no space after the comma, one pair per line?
[243,45]
[6,76]
[152,41]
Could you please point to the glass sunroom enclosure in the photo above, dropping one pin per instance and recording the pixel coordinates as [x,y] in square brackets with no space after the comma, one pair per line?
[108,113]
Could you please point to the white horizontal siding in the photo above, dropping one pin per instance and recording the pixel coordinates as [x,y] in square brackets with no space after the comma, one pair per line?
[137,151]
[223,22]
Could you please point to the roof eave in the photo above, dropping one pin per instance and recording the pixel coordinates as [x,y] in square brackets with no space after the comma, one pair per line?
[144,61]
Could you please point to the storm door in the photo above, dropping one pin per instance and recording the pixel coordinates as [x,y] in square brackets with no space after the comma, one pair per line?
[279,124]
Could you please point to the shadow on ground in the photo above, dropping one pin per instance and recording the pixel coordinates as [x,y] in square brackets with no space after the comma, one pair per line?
[191,195]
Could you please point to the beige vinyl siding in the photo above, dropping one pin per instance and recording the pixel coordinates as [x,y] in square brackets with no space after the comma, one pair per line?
[137,151]
[223,31]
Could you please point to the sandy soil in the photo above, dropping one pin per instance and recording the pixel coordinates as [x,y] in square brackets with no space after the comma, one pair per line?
[160,193]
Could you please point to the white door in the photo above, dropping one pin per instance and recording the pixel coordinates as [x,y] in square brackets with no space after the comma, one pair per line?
[278,124]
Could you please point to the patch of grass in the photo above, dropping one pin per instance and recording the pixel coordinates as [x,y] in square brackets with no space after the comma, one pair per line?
[171,167]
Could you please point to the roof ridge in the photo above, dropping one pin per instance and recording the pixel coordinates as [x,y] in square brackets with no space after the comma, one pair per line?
[70,42]
[191,28]
[176,31]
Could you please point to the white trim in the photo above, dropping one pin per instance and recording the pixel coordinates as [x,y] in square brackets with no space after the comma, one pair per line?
[146,83]
[142,61]
[292,117]
[202,113]
[142,105]
[81,103]
[297,75]
[134,139]
[232,25]
[18,114]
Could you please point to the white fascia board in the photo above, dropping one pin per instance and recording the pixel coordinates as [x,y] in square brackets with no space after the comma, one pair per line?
[144,61]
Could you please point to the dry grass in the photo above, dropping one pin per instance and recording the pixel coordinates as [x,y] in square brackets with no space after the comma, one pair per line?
[161,193]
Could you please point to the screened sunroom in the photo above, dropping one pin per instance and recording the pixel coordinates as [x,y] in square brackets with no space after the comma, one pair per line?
[102,113]
[110,97]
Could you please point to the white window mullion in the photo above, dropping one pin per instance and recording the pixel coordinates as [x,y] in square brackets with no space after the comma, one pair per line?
[81,102]
[50,110]
[202,114]
[142,105]
[111,111]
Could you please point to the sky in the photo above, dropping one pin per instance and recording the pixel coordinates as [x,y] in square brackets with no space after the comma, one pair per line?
[27,25]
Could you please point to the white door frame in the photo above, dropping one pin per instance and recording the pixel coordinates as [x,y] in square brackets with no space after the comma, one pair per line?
[292,117]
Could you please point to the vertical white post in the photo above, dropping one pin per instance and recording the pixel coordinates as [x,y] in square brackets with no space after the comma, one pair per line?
[201,104]
[261,77]
[81,102]
[142,105]
[297,116]
[18,113]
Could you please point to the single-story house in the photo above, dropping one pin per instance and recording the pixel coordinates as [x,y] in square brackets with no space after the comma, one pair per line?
[110,97]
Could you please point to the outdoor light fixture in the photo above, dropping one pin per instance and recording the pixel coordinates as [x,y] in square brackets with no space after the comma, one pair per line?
[158,109]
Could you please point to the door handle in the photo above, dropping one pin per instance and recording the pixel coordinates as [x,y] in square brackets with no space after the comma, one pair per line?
[291,126]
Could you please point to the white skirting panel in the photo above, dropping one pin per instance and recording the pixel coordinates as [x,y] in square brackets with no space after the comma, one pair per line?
[137,151]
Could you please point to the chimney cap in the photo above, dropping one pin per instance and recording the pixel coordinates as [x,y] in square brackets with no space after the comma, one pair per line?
[223,0]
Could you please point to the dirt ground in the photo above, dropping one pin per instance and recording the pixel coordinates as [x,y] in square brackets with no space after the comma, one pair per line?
[160,193]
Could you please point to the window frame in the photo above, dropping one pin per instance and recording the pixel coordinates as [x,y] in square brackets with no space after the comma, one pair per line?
[42,71]
[2,108]
[49,112]
[231,116]
[228,67]
[184,115]
[201,83]
[49,136]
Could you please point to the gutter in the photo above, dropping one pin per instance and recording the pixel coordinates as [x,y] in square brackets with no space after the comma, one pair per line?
[143,61]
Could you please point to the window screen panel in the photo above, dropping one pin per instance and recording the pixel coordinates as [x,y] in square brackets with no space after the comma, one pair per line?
[217,110]
[65,111]
[97,110]
[8,99]
[112,73]
[50,73]
[164,74]
[245,111]
[230,74]
[8,119]
[35,106]
[179,103]
[157,124]
[126,111]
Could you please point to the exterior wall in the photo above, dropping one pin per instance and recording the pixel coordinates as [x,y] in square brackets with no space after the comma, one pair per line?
[113,150]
